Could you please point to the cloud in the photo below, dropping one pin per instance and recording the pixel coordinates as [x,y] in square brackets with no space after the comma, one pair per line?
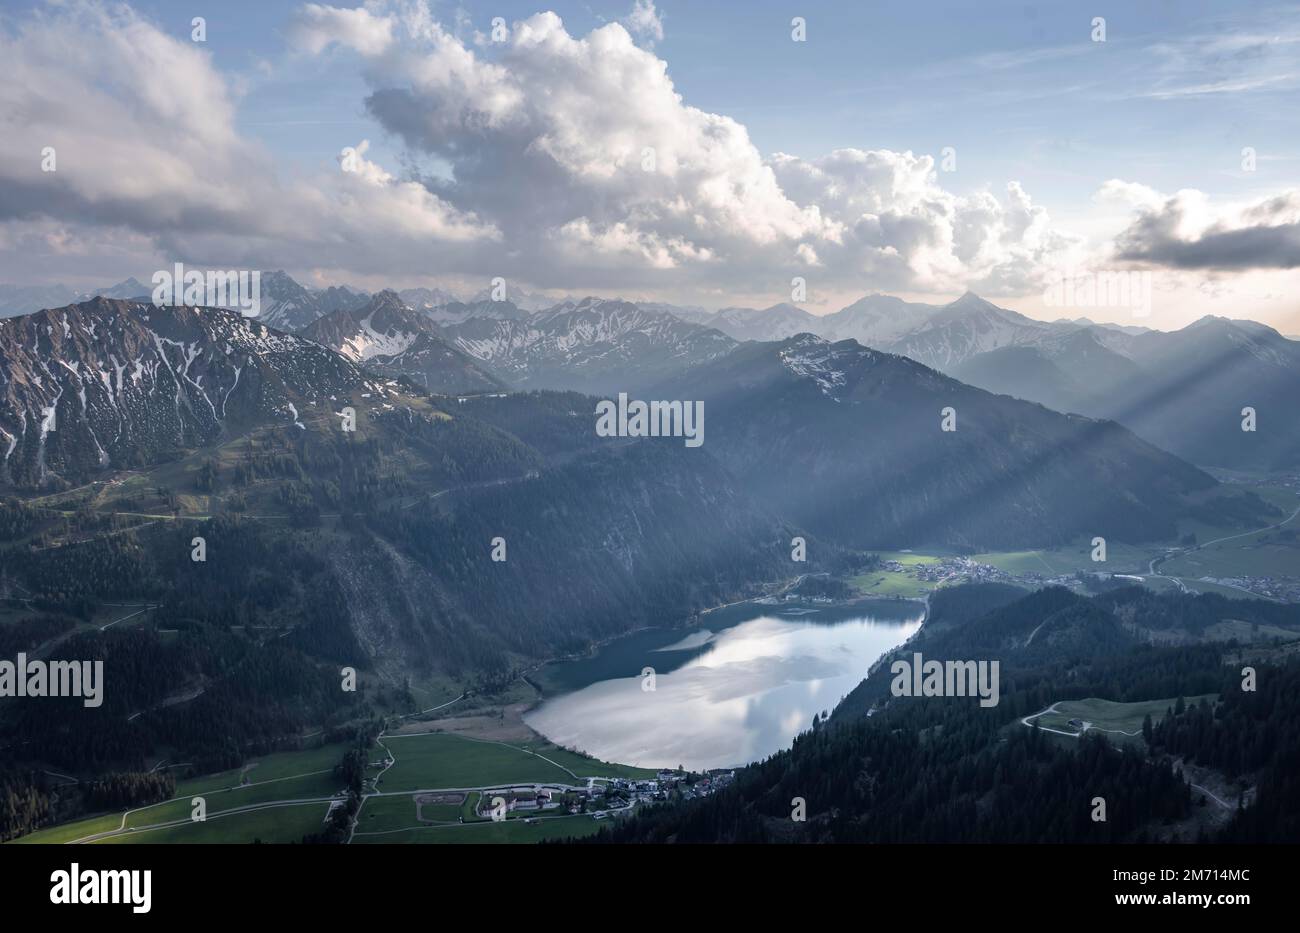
[1186,232]
[161,161]
[1222,62]
[894,226]
[584,154]
[645,22]
[315,27]
[564,162]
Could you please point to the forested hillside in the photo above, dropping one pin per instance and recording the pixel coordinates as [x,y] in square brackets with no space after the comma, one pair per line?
[943,769]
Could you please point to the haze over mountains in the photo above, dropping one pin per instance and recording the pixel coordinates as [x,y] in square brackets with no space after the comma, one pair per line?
[842,439]
[1184,391]
[847,441]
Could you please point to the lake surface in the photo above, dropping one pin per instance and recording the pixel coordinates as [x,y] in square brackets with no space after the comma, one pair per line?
[733,689]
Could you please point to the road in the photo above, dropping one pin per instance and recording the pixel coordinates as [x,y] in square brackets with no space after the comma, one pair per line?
[1178,552]
[123,829]
[1044,712]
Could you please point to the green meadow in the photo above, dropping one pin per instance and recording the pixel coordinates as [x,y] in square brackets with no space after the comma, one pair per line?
[279,824]
[439,760]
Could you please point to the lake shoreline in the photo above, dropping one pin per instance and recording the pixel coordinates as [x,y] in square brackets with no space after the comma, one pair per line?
[738,693]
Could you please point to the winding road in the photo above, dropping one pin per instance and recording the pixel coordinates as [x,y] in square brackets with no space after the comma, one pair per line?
[1178,552]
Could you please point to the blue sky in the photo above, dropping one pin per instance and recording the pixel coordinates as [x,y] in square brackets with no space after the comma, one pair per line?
[1020,90]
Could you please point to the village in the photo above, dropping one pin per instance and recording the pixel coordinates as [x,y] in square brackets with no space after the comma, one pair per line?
[600,797]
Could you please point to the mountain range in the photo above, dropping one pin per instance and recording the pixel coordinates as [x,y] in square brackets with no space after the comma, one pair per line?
[24,299]
[390,338]
[592,345]
[1184,391]
[841,439]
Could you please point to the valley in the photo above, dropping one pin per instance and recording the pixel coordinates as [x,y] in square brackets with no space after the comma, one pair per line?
[716,432]
[230,559]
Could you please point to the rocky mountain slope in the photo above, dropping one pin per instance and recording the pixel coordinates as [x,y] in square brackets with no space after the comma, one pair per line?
[112,383]
[388,337]
[593,345]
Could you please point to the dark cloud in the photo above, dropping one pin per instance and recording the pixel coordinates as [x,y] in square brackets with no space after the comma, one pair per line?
[1266,243]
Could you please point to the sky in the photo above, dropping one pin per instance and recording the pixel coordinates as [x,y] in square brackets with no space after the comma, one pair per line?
[706,154]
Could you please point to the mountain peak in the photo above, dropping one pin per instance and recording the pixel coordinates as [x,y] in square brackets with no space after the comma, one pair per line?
[387,298]
[803,339]
[971,301]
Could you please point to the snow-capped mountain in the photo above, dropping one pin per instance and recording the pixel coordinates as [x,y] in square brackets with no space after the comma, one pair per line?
[1129,329]
[692,314]
[875,320]
[595,345]
[117,383]
[389,337]
[288,305]
[969,326]
[775,323]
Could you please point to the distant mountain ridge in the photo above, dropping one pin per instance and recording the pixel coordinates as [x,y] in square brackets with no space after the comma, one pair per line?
[388,337]
[592,345]
[1183,390]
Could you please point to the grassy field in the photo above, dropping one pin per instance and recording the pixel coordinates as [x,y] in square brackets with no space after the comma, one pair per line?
[382,814]
[281,824]
[67,832]
[296,788]
[887,583]
[590,767]
[1120,558]
[267,768]
[890,583]
[439,760]
[1119,721]
[278,776]
[422,761]
[1265,554]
